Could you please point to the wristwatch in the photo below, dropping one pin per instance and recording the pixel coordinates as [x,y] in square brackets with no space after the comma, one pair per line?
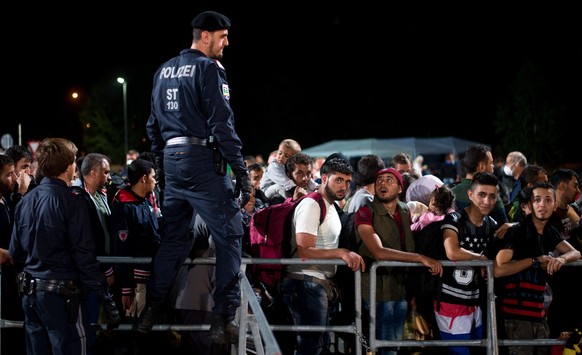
[535,263]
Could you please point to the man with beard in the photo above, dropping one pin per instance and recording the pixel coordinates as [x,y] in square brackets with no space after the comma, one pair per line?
[191,128]
[306,288]
[11,337]
[566,313]
[384,228]
[7,181]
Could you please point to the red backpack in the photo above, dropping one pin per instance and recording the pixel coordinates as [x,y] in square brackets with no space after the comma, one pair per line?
[270,237]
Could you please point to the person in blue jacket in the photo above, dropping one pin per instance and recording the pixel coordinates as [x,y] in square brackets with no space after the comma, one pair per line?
[52,236]
[191,128]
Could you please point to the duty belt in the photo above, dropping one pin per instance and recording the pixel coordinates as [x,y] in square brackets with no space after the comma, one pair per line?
[29,285]
[61,287]
[186,141]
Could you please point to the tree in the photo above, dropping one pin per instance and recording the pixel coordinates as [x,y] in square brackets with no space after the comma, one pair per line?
[528,121]
[102,119]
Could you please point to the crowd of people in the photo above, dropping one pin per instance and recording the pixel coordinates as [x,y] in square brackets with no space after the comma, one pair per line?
[529,237]
[477,223]
[391,204]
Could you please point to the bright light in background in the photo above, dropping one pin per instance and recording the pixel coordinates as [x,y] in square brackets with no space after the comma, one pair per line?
[75,95]
[124,83]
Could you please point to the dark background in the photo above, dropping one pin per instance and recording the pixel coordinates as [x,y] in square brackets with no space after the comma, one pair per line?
[312,71]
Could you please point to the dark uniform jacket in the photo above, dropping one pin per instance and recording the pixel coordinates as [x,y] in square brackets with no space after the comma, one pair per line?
[52,234]
[186,114]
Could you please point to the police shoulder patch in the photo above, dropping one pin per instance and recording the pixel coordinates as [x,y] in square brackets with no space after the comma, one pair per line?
[225,91]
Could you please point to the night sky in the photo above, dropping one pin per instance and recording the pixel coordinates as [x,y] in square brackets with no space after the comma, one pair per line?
[300,70]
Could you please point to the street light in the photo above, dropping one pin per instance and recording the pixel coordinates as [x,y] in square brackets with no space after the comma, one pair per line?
[124,83]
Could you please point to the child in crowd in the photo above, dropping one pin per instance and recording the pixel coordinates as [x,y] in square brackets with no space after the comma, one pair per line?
[275,179]
[441,202]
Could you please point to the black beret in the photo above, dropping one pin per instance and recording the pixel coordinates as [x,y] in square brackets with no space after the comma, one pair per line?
[210,21]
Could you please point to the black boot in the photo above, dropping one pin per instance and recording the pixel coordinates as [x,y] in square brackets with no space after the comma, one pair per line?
[223,329]
[149,316]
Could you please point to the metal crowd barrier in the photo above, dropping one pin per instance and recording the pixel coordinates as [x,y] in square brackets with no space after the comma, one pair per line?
[262,332]
[490,340]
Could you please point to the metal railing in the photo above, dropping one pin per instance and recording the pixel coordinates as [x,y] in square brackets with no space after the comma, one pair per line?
[490,341]
[262,331]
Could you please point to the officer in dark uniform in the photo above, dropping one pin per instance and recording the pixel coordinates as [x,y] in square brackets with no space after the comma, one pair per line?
[191,128]
[52,236]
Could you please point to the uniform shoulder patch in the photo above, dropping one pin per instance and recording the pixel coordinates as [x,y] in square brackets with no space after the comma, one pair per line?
[225,92]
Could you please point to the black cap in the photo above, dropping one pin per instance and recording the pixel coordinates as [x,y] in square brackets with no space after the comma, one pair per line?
[210,21]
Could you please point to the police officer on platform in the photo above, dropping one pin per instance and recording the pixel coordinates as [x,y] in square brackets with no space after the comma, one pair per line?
[191,128]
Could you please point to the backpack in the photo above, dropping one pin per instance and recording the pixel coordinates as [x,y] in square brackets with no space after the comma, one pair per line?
[347,238]
[270,237]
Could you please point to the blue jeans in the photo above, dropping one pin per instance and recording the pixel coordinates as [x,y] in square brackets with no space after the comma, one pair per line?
[308,304]
[390,317]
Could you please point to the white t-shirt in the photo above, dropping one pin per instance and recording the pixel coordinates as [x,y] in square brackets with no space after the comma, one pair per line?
[306,220]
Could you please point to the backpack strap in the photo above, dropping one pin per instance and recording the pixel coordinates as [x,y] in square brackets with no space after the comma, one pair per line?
[317,197]
[322,210]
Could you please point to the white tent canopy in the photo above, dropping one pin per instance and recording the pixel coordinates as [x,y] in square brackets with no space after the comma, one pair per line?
[387,147]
